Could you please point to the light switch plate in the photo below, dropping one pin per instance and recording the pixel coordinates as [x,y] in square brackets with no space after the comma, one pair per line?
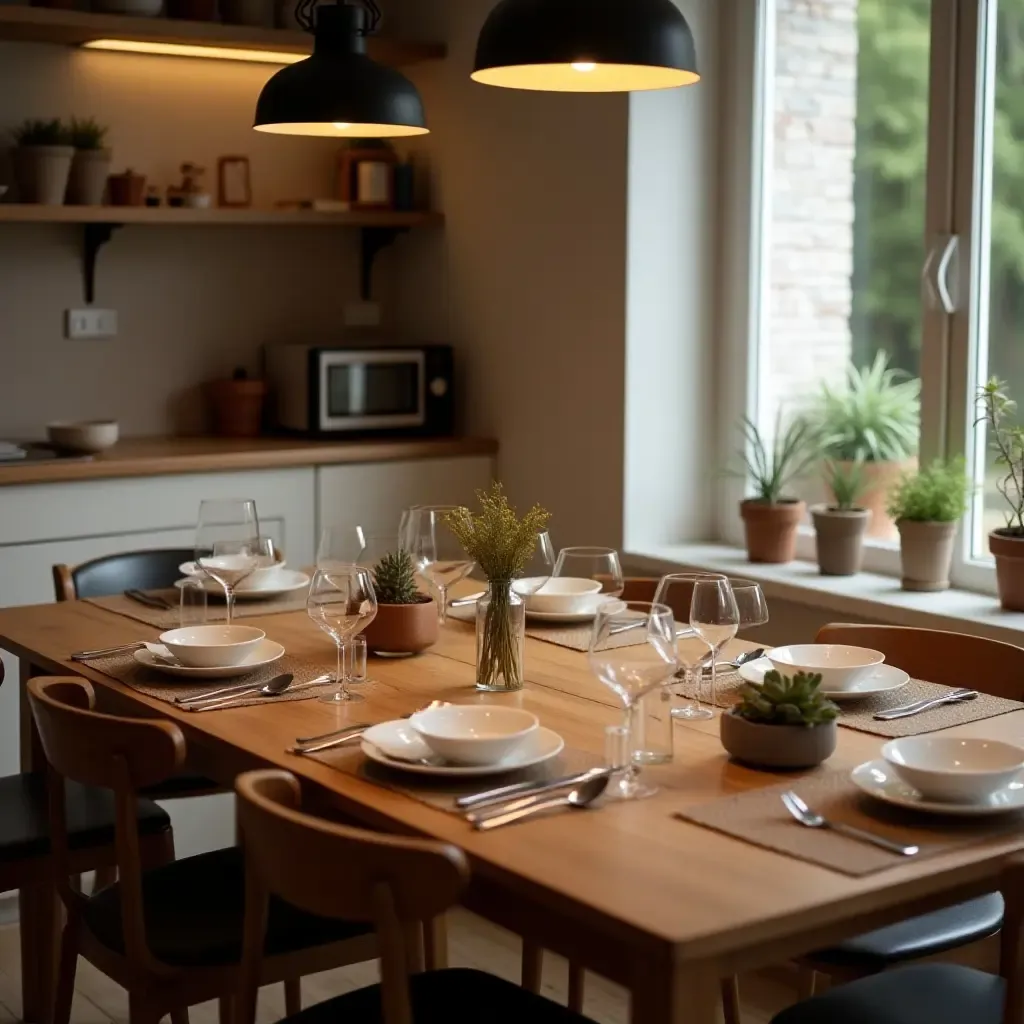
[90,323]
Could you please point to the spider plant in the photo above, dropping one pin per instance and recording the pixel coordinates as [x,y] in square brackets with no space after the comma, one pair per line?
[773,465]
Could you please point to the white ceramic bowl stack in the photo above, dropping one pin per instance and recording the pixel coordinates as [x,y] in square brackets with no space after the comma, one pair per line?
[954,770]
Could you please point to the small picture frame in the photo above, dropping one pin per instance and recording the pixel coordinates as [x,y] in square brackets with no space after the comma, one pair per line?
[234,184]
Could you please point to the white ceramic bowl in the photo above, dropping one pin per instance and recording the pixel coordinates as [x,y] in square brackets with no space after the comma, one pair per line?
[92,437]
[561,595]
[212,646]
[474,734]
[264,576]
[838,665]
[961,771]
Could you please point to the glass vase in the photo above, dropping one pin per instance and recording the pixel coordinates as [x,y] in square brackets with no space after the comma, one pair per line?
[500,638]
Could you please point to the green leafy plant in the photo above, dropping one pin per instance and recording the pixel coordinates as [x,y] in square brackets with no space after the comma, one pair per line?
[781,700]
[936,494]
[87,133]
[394,579]
[35,132]
[875,416]
[772,467]
[846,481]
[1007,440]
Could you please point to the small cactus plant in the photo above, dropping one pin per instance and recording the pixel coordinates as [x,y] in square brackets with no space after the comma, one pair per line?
[781,700]
[394,579]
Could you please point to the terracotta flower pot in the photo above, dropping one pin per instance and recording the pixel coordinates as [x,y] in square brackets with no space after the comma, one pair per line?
[771,529]
[88,179]
[839,539]
[1008,550]
[777,746]
[237,406]
[42,173]
[878,479]
[926,554]
[403,628]
[127,188]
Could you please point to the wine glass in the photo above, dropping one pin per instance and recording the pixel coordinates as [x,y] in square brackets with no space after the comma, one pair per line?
[600,564]
[715,618]
[341,601]
[340,546]
[228,543]
[539,567]
[676,591]
[751,603]
[632,667]
[436,552]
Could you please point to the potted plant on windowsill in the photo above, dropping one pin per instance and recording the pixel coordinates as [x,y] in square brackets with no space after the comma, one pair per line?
[1007,542]
[42,161]
[770,518]
[874,418]
[839,527]
[927,506]
[406,620]
[782,722]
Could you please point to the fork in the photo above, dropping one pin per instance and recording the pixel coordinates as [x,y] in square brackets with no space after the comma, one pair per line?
[808,818]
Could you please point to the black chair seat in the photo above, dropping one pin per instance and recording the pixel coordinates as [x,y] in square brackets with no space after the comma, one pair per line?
[923,994]
[454,996]
[180,786]
[194,909]
[918,937]
[25,826]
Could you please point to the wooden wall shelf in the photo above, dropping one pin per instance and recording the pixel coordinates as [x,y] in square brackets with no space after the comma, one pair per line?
[72,28]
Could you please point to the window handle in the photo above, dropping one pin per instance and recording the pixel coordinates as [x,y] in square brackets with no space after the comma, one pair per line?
[936,273]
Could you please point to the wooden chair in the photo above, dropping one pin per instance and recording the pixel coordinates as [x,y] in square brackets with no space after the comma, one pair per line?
[398,885]
[170,935]
[934,993]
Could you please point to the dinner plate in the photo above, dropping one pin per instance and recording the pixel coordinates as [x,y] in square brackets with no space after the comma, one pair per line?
[567,617]
[284,581]
[401,738]
[879,779]
[883,679]
[266,651]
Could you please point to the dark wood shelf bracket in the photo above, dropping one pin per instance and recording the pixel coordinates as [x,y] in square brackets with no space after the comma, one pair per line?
[372,241]
[94,237]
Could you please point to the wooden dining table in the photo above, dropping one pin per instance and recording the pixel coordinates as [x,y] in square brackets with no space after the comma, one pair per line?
[663,907]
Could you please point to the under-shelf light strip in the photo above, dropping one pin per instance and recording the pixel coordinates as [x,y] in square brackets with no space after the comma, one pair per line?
[187,50]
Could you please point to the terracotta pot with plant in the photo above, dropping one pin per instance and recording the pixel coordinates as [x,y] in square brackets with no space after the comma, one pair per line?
[90,165]
[1007,542]
[927,507]
[771,519]
[406,620]
[42,161]
[873,418]
[839,527]
[782,722]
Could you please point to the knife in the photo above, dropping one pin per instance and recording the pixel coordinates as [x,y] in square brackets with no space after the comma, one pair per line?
[352,734]
[526,789]
[926,705]
[105,652]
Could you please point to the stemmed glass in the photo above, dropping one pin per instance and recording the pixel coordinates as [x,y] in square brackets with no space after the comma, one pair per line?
[715,618]
[340,545]
[228,543]
[436,552]
[341,601]
[600,564]
[539,567]
[632,669]
[750,602]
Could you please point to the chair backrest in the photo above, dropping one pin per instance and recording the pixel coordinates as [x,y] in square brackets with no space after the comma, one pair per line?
[113,574]
[120,754]
[337,871]
[643,588]
[952,659]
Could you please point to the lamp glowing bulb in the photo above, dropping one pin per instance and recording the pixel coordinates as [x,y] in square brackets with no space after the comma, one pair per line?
[584,65]
[342,126]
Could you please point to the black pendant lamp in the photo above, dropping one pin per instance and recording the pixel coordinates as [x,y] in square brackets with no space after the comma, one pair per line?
[586,46]
[339,91]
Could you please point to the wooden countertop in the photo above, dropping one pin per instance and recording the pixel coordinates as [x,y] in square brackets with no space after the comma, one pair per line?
[162,456]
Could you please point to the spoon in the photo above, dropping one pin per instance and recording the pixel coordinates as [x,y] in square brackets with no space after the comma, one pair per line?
[580,797]
[276,686]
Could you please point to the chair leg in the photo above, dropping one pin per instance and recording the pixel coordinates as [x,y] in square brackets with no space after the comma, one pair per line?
[104,877]
[180,1016]
[39,913]
[435,943]
[224,1010]
[292,996]
[807,982]
[731,1000]
[577,981]
[142,1011]
[533,966]
[66,974]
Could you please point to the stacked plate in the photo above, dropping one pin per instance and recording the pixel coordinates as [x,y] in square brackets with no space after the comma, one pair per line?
[266,582]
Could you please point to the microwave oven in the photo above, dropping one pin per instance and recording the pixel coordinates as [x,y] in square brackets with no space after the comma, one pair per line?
[331,391]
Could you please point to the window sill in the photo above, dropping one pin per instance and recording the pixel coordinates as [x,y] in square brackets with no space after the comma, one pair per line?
[866,595]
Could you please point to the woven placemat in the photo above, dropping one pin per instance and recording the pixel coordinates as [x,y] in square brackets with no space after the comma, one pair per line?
[859,714]
[171,619]
[758,817]
[125,669]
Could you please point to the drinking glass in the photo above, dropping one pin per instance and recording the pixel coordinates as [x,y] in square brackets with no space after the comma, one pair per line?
[715,618]
[356,650]
[339,546]
[228,543]
[676,590]
[633,652]
[436,552]
[192,609]
[342,603]
[539,567]
[751,603]
[600,564]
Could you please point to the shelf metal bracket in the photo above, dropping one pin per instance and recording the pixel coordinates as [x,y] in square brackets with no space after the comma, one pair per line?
[372,241]
[94,238]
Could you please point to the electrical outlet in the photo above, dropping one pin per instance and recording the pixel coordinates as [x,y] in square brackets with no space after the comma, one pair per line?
[90,323]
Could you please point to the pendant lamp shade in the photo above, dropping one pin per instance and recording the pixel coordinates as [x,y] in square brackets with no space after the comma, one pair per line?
[586,46]
[339,91]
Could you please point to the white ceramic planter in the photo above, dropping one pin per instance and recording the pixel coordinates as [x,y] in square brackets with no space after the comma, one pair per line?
[87,182]
[42,173]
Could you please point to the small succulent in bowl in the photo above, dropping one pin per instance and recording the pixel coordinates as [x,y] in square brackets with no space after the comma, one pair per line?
[782,700]
[406,620]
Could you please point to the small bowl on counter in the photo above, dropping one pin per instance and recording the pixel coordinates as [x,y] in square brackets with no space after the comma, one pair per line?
[839,665]
[87,437]
[953,770]
[474,734]
[212,646]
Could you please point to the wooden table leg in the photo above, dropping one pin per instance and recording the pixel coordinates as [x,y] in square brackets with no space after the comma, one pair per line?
[533,966]
[676,994]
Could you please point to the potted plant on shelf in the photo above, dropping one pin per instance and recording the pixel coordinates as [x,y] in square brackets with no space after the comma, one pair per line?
[771,518]
[90,165]
[782,722]
[406,620]
[839,527]
[42,161]
[875,418]
[1007,542]
[927,506]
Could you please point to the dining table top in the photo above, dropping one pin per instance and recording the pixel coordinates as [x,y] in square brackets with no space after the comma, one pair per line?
[628,869]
